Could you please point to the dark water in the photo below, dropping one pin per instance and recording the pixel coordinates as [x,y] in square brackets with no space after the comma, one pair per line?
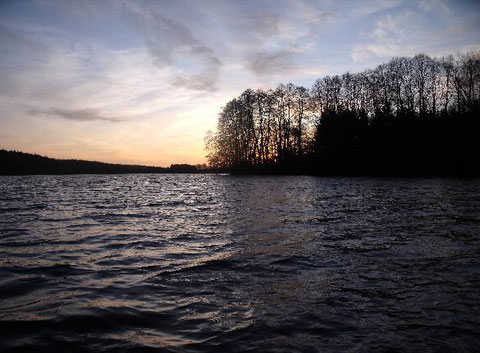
[200,263]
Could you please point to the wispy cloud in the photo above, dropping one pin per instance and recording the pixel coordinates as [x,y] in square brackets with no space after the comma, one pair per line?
[9,40]
[273,44]
[80,115]
[270,63]
[386,38]
[365,8]
[434,6]
[430,27]
[171,43]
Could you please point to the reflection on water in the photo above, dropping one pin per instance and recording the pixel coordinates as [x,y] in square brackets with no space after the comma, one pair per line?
[220,263]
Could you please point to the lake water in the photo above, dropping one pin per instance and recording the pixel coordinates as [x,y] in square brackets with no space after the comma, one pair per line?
[215,263]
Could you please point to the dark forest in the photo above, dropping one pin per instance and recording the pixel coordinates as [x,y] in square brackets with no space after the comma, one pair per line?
[414,116]
[20,163]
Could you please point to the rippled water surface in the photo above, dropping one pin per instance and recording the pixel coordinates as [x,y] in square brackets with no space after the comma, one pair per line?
[200,263]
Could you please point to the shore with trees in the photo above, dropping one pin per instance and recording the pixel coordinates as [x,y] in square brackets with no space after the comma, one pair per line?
[20,163]
[415,116]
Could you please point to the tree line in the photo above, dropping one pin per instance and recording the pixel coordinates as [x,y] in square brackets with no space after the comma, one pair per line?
[410,116]
[20,163]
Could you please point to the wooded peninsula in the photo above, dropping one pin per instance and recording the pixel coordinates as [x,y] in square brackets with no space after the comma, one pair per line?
[414,116]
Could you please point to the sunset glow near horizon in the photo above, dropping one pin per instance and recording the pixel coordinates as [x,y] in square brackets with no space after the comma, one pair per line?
[141,82]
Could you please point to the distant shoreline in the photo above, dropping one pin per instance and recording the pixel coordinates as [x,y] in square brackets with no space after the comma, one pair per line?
[20,163]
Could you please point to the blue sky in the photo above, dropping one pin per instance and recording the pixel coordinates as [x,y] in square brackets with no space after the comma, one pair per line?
[142,81]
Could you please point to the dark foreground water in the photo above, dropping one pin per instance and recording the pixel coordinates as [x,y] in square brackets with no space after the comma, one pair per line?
[214,263]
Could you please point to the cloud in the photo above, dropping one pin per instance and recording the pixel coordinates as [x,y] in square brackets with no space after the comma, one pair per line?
[272,40]
[81,115]
[434,5]
[173,44]
[195,41]
[262,25]
[365,8]
[386,38]
[428,26]
[261,63]
[84,9]
[396,35]
[9,40]
[199,82]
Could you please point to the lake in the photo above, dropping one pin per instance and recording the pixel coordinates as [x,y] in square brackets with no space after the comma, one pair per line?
[218,263]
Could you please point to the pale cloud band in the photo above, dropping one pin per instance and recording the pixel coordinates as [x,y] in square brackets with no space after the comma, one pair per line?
[75,115]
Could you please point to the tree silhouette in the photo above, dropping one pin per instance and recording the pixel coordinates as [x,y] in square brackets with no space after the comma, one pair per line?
[410,116]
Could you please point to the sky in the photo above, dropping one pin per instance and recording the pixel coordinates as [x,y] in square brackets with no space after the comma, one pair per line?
[141,82]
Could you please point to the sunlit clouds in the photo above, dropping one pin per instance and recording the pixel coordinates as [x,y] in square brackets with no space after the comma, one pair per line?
[142,82]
